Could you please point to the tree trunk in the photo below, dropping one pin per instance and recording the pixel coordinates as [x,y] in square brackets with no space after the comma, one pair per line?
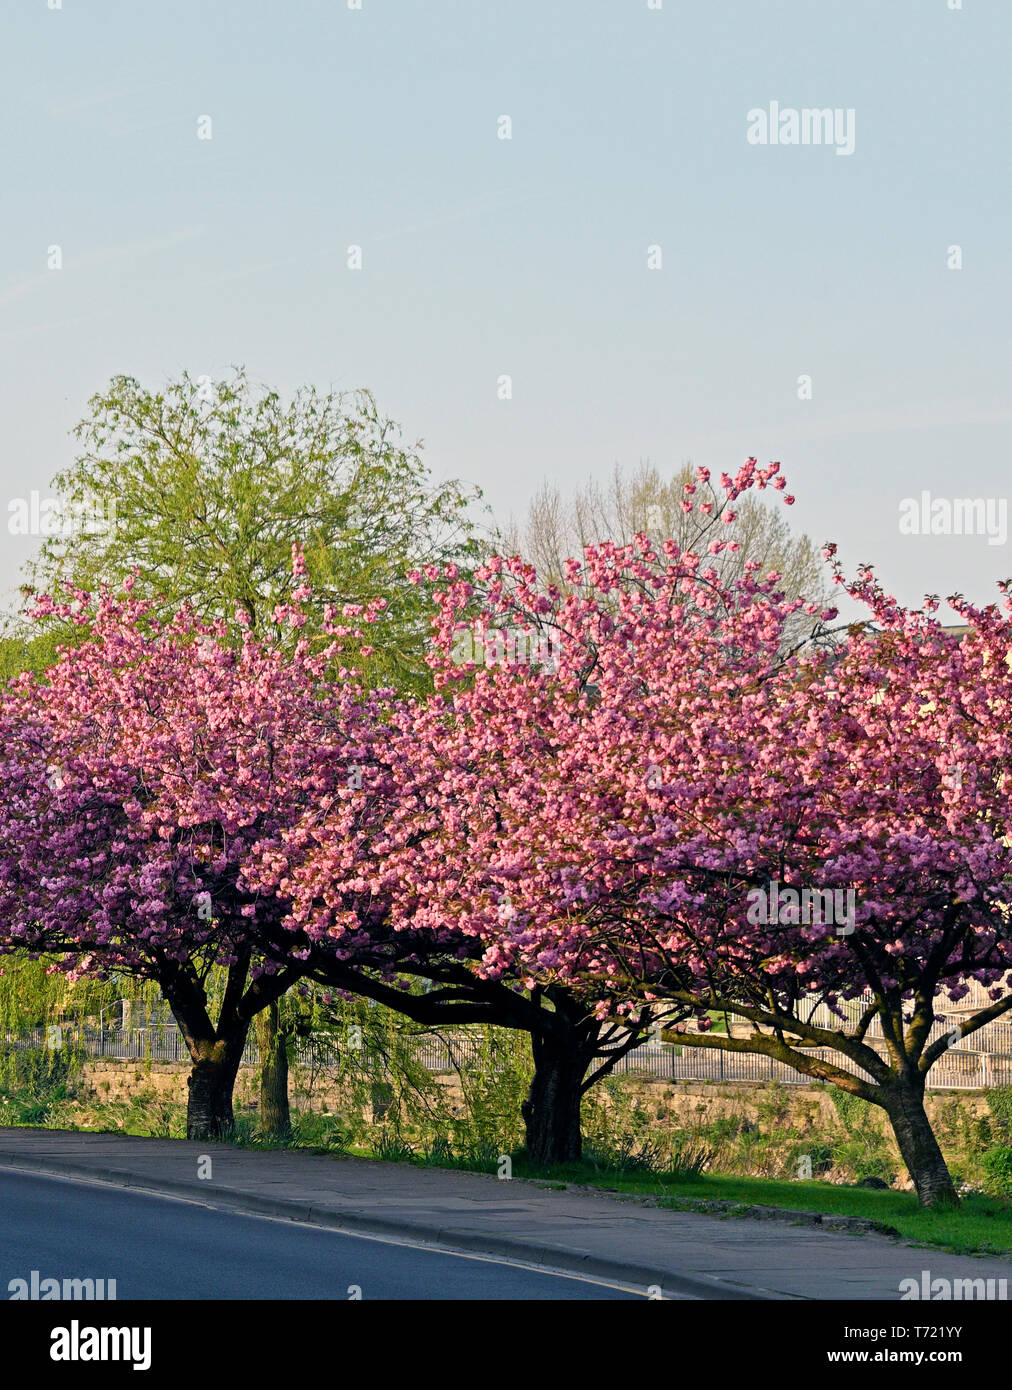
[210,1085]
[275,1115]
[903,1102]
[552,1109]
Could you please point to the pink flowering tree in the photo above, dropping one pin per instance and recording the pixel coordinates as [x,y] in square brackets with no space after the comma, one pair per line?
[866,794]
[448,776]
[812,841]
[139,772]
[484,846]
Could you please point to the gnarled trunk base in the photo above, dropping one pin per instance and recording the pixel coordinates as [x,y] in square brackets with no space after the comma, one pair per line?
[903,1102]
[210,1085]
[551,1111]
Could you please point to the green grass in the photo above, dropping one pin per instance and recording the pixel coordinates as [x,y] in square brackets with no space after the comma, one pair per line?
[982,1225]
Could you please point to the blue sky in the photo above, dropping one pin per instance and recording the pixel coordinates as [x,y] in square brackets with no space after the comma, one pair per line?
[528,256]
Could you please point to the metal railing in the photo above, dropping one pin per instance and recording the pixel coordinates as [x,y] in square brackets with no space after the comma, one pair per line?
[957,1069]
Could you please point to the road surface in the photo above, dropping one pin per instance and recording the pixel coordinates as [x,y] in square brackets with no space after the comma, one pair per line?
[163,1248]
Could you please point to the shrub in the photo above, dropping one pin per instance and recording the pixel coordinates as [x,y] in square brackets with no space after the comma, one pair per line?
[819,1151]
[997,1166]
[34,1081]
[774,1103]
[392,1148]
[999,1102]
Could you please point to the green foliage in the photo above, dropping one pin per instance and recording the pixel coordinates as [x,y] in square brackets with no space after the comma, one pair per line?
[851,1109]
[308,1131]
[34,995]
[208,484]
[999,1102]
[313,1131]
[774,1103]
[818,1151]
[480,1156]
[725,1128]
[33,651]
[981,1225]
[960,1129]
[39,1069]
[391,1148]
[439,1152]
[495,1084]
[614,1116]
[35,1082]
[863,1149]
[145,1113]
[997,1165]
[685,1160]
[864,1160]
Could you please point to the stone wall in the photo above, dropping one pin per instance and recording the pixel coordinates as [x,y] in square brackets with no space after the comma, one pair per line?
[113,1079]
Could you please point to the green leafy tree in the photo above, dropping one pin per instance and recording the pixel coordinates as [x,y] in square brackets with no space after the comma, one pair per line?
[204,486]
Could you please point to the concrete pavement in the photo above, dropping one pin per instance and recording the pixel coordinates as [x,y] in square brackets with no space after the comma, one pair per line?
[682,1253]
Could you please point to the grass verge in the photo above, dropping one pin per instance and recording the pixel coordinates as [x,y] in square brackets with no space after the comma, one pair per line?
[980,1226]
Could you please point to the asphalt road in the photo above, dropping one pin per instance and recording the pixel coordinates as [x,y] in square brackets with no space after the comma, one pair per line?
[162,1248]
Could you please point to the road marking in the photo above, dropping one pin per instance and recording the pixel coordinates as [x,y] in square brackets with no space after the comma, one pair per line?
[429,1247]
